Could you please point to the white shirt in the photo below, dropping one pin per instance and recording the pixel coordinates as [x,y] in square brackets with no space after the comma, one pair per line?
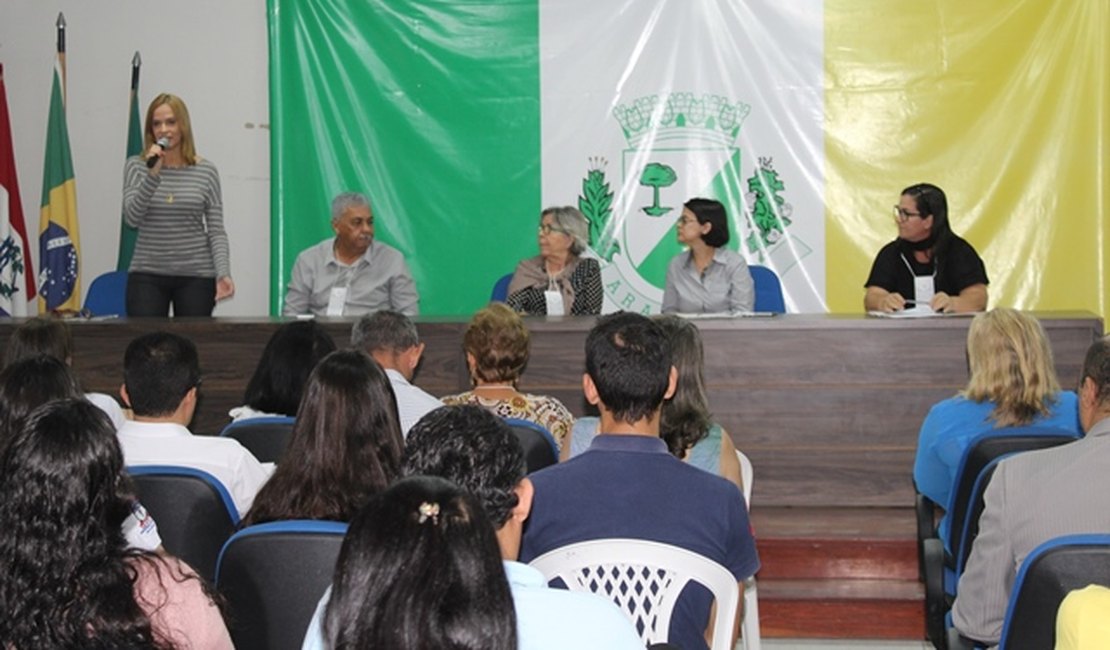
[412,402]
[108,405]
[165,443]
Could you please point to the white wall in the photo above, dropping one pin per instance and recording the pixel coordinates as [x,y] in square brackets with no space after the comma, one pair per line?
[213,53]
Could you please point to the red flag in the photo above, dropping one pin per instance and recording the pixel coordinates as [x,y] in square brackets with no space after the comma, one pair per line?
[17,277]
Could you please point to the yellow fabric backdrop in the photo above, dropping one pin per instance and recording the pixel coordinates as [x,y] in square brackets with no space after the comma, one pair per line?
[1006,105]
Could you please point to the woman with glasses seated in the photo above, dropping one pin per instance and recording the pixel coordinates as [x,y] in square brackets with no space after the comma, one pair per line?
[558,281]
[708,278]
[928,265]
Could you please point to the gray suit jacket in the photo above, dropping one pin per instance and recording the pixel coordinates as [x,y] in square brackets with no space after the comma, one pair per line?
[1032,498]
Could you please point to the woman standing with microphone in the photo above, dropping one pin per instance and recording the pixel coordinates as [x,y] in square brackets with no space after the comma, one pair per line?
[173,198]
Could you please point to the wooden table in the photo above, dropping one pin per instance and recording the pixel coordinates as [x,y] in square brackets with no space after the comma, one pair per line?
[827,407]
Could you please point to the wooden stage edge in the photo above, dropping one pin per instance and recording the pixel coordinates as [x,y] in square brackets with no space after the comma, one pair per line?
[826,406]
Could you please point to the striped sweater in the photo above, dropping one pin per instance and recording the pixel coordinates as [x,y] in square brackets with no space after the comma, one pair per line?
[179,214]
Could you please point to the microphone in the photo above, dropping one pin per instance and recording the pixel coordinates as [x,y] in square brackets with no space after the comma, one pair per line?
[153,160]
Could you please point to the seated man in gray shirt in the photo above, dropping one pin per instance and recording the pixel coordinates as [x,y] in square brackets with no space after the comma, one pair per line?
[351,274]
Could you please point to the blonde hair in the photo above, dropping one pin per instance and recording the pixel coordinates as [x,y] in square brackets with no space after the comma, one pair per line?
[499,342]
[1011,365]
[181,114]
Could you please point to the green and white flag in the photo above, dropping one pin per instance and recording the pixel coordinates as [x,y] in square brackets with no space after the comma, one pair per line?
[461,121]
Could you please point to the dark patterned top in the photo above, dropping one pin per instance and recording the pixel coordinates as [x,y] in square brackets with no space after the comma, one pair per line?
[585,282]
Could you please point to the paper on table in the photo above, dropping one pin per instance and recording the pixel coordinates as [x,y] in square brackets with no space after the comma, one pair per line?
[920,311]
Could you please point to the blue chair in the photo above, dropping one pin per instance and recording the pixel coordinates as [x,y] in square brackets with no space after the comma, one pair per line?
[194,511]
[272,575]
[265,437]
[107,295]
[1049,573]
[501,288]
[540,449]
[942,560]
[768,290]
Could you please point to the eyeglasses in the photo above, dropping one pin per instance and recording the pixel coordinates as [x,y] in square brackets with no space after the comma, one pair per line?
[903,215]
[546,229]
[684,220]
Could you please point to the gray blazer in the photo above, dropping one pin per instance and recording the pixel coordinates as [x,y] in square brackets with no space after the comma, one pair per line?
[1032,498]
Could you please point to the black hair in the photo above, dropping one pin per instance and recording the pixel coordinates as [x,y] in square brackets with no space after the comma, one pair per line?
[345,446]
[40,335]
[474,448]
[1096,365]
[159,369]
[420,568]
[290,355]
[713,213]
[28,384]
[931,202]
[384,330]
[68,580]
[685,419]
[628,357]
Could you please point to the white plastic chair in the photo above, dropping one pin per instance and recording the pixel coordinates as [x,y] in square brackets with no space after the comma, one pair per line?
[750,636]
[644,579]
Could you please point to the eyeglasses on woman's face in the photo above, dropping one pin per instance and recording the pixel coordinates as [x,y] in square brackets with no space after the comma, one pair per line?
[901,214]
[547,229]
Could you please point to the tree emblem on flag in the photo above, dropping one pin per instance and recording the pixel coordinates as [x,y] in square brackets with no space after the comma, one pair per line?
[11,268]
[596,203]
[770,212]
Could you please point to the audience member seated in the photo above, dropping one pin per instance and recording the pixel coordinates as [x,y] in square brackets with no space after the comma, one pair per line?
[558,281]
[419,568]
[497,345]
[1013,383]
[345,446]
[69,579]
[1034,497]
[476,450]
[1083,621]
[627,484]
[161,374]
[685,423]
[28,384]
[352,273]
[391,338]
[51,336]
[278,381]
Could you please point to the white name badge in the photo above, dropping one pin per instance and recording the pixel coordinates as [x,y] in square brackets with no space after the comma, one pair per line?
[923,290]
[554,303]
[336,300]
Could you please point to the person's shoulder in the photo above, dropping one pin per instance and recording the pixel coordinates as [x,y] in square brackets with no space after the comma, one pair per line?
[543,611]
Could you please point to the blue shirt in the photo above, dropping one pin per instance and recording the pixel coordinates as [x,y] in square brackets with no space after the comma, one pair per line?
[546,618]
[951,426]
[630,486]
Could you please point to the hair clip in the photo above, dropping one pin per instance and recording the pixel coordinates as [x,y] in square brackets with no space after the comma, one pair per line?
[427,510]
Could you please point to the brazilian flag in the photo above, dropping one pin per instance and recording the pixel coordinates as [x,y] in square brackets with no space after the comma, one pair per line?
[59,244]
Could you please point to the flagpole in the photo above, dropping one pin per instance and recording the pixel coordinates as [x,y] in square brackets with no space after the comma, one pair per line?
[136,63]
[61,25]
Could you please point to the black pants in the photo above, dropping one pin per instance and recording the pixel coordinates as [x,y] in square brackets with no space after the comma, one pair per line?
[151,295]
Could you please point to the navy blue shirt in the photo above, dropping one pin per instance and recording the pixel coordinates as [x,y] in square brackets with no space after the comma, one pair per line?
[630,486]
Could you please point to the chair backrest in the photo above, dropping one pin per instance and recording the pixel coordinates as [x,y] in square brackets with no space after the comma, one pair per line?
[266,437]
[194,511]
[644,579]
[768,290]
[746,477]
[272,576]
[107,295]
[537,442]
[501,288]
[979,453]
[976,504]
[1049,572]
